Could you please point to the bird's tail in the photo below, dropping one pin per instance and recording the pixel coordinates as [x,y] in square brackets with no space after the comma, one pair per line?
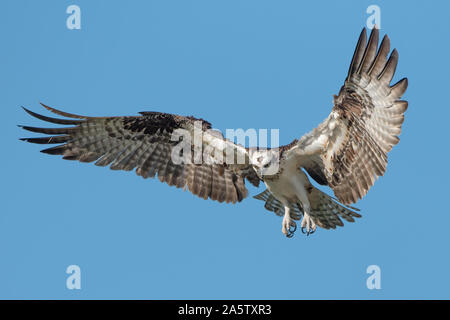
[274,205]
[325,210]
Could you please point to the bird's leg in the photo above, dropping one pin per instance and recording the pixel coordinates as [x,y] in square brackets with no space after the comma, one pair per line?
[288,226]
[307,222]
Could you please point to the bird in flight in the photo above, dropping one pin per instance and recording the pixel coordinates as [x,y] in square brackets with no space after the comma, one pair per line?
[347,151]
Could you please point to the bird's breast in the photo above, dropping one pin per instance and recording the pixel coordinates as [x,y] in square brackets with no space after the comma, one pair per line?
[285,185]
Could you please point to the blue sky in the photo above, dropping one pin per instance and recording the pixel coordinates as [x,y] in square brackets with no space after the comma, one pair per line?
[238,64]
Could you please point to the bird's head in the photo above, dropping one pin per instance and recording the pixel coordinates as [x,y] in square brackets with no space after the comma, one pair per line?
[266,162]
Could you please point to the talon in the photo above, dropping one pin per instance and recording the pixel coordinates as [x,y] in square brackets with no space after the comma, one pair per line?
[290,231]
[294,227]
[308,225]
[288,226]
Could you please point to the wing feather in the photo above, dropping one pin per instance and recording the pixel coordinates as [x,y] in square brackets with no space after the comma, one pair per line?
[145,143]
[349,149]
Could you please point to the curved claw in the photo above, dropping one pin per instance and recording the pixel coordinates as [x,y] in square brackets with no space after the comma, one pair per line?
[291,230]
[308,232]
[293,226]
[308,225]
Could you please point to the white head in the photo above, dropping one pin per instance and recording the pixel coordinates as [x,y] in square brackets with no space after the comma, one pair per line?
[265,162]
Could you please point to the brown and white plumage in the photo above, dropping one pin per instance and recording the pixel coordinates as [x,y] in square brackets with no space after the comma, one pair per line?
[144,143]
[347,151]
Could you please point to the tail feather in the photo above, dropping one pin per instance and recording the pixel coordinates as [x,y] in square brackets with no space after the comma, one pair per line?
[325,211]
[274,205]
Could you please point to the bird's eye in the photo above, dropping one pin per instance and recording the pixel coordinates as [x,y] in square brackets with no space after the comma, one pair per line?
[267,165]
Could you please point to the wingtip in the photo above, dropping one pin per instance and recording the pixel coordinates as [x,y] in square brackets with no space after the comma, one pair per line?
[394,55]
[49,108]
[363,32]
[62,113]
[28,111]
[44,105]
[404,82]
[375,30]
[386,40]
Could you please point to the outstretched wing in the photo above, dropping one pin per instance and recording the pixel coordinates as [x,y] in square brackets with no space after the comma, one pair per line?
[348,150]
[147,143]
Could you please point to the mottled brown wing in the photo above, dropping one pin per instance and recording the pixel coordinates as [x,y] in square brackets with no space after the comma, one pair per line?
[145,143]
[349,149]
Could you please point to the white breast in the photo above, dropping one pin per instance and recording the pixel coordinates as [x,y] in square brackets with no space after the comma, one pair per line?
[289,185]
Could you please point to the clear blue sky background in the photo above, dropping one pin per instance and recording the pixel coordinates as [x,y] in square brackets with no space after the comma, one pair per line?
[239,64]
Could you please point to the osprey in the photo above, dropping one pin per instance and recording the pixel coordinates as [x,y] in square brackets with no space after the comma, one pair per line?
[347,151]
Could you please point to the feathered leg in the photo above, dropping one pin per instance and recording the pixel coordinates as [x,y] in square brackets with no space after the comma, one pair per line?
[288,226]
[307,223]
